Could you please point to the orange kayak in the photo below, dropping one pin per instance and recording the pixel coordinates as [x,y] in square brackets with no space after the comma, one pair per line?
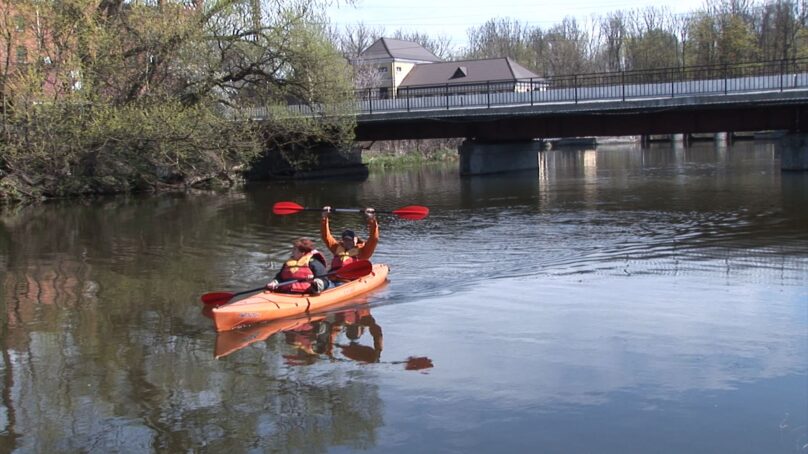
[267,306]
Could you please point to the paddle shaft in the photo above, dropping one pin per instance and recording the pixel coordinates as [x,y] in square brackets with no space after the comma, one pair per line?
[353,210]
[244,292]
[346,210]
[341,210]
[412,212]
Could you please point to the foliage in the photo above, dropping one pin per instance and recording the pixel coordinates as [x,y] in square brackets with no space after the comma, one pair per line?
[140,95]
[721,32]
[410,152]
[388,160]
[62,150]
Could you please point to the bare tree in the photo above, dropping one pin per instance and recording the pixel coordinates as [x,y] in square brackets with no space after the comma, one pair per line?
[567,46]
[613,32]
[496,38]
[441,46]
[680,24]
[355,39]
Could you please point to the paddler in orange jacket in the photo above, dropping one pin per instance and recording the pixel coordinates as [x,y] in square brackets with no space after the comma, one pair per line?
[305,265]
[350,247]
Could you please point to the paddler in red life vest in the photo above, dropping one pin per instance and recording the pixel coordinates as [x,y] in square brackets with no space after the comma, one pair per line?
[350,248]
[305,264]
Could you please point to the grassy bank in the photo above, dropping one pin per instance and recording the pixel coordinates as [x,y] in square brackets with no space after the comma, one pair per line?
[410,158]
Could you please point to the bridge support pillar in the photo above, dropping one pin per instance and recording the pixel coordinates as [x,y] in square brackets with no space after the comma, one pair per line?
[478,157]
[687,139]
[793,150]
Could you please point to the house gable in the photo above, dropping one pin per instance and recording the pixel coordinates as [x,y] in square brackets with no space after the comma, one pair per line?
[461,71]
[399,50]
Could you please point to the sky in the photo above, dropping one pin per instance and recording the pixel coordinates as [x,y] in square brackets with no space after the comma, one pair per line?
[453,18]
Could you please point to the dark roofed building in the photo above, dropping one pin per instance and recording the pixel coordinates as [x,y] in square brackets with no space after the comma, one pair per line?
[397,49]
[387,48]
[469,71]
[388,61]
[472,74]
[405,68]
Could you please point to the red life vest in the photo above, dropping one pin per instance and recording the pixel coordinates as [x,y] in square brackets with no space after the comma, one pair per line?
[343,257]
[299,269]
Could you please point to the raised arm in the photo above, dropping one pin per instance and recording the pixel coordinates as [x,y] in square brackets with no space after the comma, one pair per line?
[373,237]
[325,232]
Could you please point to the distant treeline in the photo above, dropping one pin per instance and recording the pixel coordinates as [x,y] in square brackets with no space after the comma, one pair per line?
[721,32]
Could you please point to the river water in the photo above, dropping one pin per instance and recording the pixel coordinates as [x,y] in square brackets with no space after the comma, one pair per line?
[618,300]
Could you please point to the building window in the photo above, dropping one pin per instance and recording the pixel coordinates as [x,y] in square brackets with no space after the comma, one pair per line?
[398,69]
[382,69]
[19,23]
[22,55]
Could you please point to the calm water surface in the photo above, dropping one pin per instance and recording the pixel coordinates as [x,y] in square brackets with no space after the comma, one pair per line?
[620,300]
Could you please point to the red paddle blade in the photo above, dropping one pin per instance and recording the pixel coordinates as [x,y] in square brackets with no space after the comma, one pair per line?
[216,298]
[412,212]
[283,208]
[355,270]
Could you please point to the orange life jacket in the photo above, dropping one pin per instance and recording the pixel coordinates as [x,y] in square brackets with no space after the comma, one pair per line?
[343,257]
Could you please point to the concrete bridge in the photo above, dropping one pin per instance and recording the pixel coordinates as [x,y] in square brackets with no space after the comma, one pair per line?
[501,125]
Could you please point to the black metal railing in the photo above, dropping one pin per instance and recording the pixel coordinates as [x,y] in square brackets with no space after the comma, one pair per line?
[779,75]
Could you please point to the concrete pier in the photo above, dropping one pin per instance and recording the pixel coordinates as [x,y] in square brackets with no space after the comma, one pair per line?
[479,157]
[793,150]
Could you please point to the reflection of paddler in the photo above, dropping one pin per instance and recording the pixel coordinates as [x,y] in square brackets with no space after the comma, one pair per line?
[355,323]
[315,336]
[311,340]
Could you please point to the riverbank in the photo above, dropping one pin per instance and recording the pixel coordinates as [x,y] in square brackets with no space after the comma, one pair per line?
[403,153]
[408,159]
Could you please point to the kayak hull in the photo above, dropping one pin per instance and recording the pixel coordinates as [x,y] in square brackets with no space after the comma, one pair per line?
[266,306]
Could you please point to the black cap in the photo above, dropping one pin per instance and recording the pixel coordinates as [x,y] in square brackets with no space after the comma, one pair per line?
[348,234]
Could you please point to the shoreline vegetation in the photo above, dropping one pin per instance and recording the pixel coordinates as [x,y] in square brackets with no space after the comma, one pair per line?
[138,96]
[402,153]
[386,161]
[125,97]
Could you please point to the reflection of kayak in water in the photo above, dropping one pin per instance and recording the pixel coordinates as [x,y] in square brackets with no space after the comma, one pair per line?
[267,306]
[228,342]
[315,337]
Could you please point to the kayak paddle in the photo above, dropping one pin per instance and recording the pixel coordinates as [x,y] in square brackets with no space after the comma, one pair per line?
[411,212]
[351,271]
